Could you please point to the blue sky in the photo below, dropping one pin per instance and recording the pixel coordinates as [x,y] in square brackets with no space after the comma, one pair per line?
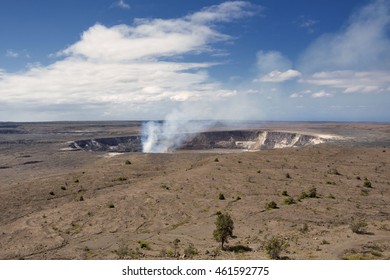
[260,60]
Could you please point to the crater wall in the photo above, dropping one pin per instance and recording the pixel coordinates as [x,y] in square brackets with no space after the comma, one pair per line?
[239,139]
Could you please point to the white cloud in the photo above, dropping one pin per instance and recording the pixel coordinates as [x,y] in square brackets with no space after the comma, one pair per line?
[306,23]
[121,4]
[11,53]
[296,95]
[362,45]
[352,81]
[278,77]
[122,68]
[224,12]
[321,94]
[271,61]
[274,67]
[356,59]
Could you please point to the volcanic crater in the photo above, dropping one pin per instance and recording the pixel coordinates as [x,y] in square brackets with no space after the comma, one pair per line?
[248,140]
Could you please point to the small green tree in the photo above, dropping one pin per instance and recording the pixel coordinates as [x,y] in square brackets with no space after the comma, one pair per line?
[224,229]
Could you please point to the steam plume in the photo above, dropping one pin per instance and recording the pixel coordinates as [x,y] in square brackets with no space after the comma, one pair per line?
[169,135]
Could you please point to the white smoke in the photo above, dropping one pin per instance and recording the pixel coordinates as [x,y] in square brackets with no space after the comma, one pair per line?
[192,117]
[169,135]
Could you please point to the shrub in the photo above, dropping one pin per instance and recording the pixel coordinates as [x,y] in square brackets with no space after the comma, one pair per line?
[127,162]
[216,160]
[144,244]
[288,176]
[111,205]
[367,184]
[63,188]
[284,193]
[312,193]
[275,246]
[221,196]
[364,192]
[175,246]
[289,201]
[121,179]
[358,226]
[191,251]
[303,195]
[304,228]
[272,205]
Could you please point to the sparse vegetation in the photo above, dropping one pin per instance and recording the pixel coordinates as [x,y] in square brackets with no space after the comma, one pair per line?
[358,226]
[224,229]
[289,201]
[275,246]
[121,179]
[367,183]
[271,205]
[175,244]
[312,193]
[191,251]
[124,252]
[364,192]
[144,244]
[304,228]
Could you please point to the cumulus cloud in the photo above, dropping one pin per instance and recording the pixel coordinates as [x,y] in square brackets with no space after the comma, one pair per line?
[271,61]
[274,67]
[128,66]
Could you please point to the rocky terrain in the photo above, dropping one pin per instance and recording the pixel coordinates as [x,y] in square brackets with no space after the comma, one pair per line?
[62,201]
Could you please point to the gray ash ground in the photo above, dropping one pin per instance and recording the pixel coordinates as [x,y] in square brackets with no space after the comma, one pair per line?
[58,202]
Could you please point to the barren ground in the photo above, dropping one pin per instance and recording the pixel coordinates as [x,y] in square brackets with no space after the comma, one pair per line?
[57,204]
